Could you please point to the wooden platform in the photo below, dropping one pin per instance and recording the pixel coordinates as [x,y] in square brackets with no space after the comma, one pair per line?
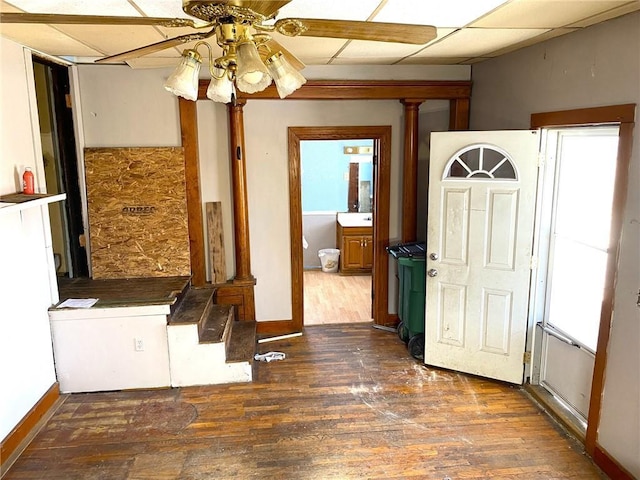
[347,402]
[125,292]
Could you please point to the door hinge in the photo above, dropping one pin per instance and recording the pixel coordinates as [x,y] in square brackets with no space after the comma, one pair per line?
[82,240]
[540,159]
[67,100]
[526,358]
[533,262]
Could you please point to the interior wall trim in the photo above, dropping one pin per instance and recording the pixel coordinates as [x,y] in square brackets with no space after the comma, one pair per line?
[18,439]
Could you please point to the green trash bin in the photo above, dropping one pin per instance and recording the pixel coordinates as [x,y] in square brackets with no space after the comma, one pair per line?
[411,298]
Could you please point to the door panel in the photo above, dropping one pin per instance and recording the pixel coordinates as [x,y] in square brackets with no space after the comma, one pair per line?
[480,232]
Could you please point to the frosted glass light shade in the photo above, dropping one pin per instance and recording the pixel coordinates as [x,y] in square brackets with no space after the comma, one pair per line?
[287,78]
[183,82]
[252,75]
[221,87]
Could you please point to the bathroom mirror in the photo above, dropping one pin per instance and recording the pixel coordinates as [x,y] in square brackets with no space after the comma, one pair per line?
[337,175]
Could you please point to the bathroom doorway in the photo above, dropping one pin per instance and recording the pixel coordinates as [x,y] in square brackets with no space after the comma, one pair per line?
[327,291]
[336,186]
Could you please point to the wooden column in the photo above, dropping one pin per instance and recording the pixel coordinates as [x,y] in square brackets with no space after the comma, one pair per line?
[189,129]
[410,170]
[459,114]
[240,200]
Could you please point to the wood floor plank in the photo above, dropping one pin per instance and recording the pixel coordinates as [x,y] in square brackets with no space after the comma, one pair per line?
[347,402]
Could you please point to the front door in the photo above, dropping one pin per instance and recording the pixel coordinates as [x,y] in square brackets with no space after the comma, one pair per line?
[482,192]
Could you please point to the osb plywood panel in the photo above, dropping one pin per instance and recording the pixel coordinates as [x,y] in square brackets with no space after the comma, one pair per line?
[137,212]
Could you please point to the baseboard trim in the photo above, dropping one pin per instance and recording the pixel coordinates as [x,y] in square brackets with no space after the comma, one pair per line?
[609,466]
[276,327]
[20,437]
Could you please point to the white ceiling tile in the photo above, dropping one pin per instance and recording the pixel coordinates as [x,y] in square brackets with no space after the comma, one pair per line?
[556,32]
[112,39]
[367,49]
[476,42]
[450,13]
[544,13]
[310,50]
[331,9]
[47,40]
[378,60]
[609,14]
[161,8]
[77,7]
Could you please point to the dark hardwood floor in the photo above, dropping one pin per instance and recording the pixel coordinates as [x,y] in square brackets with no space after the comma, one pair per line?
[347,402]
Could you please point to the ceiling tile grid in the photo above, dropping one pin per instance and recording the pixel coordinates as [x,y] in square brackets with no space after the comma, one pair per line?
[468,31]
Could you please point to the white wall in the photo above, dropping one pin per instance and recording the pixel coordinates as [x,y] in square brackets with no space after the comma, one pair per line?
[26,357]
[590,68]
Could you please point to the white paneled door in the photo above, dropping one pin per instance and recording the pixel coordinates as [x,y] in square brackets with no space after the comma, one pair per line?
[482,192]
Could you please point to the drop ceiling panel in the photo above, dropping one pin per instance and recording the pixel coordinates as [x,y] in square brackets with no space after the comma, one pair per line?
[331,9]
[112,39]
[366,49]
[608,15]
[311,50]
[457,13]
[78,7]
[544,13]
[162,8]
[47,40]
[474,42]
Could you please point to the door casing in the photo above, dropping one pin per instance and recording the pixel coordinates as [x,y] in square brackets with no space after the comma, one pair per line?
[381,135]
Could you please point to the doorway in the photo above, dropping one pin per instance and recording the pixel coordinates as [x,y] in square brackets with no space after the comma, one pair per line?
[61,167]
[337,188]
[381,136]
[574,245]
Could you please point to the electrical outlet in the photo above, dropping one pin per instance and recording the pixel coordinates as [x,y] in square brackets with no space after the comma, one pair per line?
[138,344]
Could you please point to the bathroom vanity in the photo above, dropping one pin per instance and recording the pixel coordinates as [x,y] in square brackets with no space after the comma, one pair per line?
[354,237]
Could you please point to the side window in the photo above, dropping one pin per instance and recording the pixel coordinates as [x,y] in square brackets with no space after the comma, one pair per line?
[482,162]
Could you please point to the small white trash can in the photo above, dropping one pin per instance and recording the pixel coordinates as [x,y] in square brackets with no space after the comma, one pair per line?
[329,259]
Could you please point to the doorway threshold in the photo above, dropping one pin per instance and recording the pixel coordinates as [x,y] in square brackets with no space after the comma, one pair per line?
[554,407]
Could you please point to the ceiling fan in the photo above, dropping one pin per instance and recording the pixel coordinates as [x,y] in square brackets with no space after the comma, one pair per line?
[239,27]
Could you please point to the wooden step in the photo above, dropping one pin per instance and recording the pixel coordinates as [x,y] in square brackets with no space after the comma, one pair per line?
[193,307]
[217,325]
[242,345]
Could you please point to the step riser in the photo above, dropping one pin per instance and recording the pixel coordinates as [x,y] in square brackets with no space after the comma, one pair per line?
[199,343]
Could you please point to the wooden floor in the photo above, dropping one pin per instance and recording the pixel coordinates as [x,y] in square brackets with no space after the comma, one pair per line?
[347,402]
[331,298]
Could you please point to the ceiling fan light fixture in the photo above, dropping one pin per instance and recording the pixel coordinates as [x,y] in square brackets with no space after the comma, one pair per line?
[286,78]
[221,88]
[251,75]
[183,82]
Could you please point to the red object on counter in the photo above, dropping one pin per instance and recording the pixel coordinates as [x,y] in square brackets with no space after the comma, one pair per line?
[28,182]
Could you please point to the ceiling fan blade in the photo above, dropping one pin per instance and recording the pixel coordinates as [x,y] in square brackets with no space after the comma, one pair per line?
[263,7]
[293,60]
[355,30]
[55,19]
[155,47]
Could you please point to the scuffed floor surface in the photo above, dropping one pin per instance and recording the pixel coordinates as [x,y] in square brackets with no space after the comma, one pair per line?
[347,402]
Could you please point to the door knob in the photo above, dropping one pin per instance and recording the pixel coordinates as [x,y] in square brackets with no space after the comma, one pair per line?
[432,272]
[433,256]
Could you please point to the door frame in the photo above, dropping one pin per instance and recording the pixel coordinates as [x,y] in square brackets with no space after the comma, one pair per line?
[381,135]
[624,116]
[62,125]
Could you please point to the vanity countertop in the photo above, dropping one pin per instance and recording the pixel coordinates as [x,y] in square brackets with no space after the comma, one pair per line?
[355,219]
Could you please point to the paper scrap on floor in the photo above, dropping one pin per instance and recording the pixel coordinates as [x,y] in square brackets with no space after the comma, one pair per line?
[269,357]
[78,303]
